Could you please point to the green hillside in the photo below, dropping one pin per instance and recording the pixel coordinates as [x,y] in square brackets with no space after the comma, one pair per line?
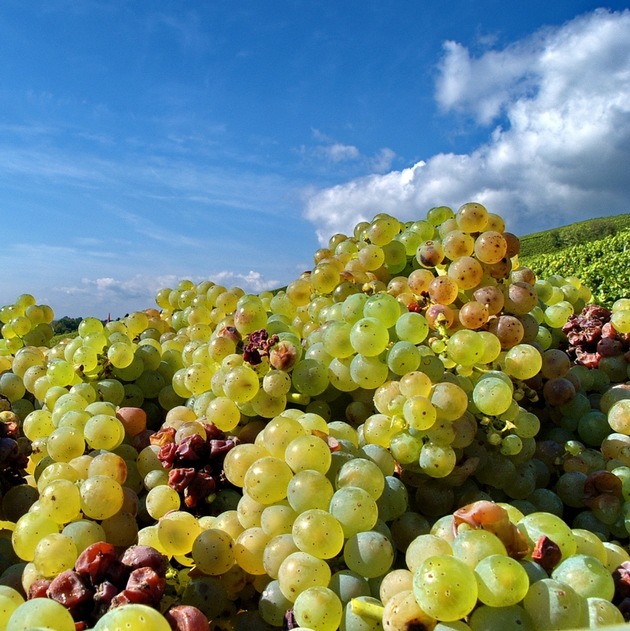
[550,241]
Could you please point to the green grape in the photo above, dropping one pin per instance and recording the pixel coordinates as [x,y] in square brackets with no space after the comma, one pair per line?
[54,471]
[379,429]
[501,580]
[279,432]
[348,585]
[38,424]
[224,413]
[267,480]
[10,600]
[28,531]
[394,500]
[553,604]
[177,531]
[278,548]
[60,500]
[104,431]
[249,511]
[557,314]
[405,447]
[310,377]
[42,613]
[278,518]
[369,553]
[132,617]
[363,473]
[301,570]
[437,460]
[450,400]
[523,361]
[602,613]
[273,605]
[309,488]
[620,319]
[336,339]
[241,383]
[161,500]
[198,378]
[239,459]
[508,618]
[403,357]
[619,416]
[101,497]
[412,327]
[54,554]
[65,443]
[84,532]
[213,551]
[587,576]
[352,307]
[369,336]
[120,354]
[465,347]
[492,396]
[308,452]
[419,412]
[318,608]
[526,424]
[11,386]
[319,533]
[383,307]
[354,508]
[445,587]
[473,545]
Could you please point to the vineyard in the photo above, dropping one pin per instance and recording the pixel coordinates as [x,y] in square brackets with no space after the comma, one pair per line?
[603,265]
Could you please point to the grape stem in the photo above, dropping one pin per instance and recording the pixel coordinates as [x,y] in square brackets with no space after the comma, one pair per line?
[366,609]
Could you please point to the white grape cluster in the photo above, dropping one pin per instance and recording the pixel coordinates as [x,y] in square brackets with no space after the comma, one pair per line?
[416,369]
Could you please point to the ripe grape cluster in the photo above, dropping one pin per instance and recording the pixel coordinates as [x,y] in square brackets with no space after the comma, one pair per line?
[412,432]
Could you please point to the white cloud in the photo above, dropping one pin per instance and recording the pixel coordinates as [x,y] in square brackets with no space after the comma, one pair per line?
[335,152]
[338,152]
[560,104]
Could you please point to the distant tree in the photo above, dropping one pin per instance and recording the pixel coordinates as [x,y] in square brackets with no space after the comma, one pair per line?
[65,325]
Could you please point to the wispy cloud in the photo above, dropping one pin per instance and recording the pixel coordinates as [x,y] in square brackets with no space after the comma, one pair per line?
[329,151]
[560,102]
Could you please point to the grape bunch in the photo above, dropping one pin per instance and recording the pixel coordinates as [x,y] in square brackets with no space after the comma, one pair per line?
[409,433]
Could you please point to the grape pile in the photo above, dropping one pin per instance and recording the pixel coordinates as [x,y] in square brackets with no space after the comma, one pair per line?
[417,433]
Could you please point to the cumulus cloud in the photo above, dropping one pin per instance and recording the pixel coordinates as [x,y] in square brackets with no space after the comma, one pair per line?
[557,109]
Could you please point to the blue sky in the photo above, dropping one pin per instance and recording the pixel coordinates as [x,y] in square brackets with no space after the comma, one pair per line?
[146,142]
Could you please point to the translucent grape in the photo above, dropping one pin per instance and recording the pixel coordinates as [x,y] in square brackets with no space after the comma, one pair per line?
[319,533]
[309,489]
[213,551]
[308,452]
[492,396]
[587,576]
[43,613]
[267,480]
[101,497]
[54,554]
[301,570]
[553,604]
[369,553]
[501,580]
[318,608]
[369,336]
[445,587]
